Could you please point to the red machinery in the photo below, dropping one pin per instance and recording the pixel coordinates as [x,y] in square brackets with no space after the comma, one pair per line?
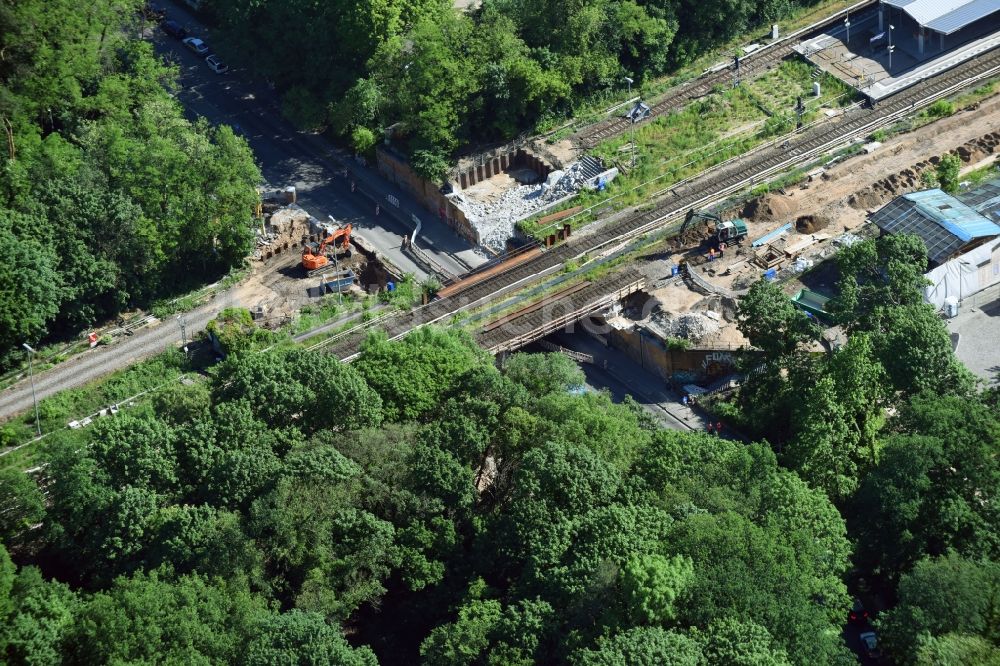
[315,258]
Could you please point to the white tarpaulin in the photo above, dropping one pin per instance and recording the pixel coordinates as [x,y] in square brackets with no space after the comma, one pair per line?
[965,275]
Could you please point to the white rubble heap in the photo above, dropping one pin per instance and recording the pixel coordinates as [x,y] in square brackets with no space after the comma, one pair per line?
[495,221]
[690,326]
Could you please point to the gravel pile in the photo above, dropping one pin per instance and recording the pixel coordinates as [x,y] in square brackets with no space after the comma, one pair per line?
[495,221]
[690,326]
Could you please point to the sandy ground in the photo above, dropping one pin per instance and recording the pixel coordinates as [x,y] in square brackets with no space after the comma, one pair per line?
[559,154]
[490,190]
[676,297]
[844,195]
[840,200]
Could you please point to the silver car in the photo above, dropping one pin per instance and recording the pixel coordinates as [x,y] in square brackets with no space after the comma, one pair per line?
[216,65]
[196,45]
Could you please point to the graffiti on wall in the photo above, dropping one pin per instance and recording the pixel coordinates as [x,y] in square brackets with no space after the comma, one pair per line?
[717,363]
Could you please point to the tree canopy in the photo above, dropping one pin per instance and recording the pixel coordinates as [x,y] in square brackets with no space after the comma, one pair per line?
[443,79]
[456,514]
[109,197]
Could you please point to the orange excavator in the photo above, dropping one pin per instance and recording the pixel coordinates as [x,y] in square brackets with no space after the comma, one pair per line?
[314,256]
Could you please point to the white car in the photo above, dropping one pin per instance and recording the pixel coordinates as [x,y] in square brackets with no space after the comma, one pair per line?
[196,45]
[216,65]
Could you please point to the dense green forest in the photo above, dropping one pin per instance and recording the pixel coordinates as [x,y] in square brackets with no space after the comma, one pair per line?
[109,197]
[422,505]
[447,79]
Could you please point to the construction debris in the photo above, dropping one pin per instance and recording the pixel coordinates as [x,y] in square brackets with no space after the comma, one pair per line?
[691,326]
[495,219]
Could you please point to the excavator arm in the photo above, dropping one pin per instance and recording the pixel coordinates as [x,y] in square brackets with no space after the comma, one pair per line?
[691,216]
[341,238]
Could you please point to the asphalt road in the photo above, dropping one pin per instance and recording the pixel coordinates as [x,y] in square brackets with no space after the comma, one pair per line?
[310,162]
[620,376]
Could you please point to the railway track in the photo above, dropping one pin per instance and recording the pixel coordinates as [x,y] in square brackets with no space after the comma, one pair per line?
[706,189]
[752,66]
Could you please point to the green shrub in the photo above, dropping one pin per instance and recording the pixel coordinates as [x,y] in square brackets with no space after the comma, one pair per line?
[362,139]
[941,109]
[678,344]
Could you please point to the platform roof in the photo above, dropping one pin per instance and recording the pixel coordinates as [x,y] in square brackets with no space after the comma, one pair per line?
[943,222]
[946,16]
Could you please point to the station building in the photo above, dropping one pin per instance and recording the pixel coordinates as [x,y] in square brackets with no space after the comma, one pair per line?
[896,44]
[938,25]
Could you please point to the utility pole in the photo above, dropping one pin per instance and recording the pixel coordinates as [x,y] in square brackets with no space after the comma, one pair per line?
[183,324]
[31,374]
[632,118]
[847,24]
[336,265]
[633,141]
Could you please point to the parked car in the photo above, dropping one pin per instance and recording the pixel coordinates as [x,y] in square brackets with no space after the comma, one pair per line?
[216,65]
[869,643]
[174,29]
[197,46]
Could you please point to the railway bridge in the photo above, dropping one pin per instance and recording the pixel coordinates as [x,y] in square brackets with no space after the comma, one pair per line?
[558,311]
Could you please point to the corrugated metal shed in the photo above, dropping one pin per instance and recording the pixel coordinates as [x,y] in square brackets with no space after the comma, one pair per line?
[946,16]
[943,222]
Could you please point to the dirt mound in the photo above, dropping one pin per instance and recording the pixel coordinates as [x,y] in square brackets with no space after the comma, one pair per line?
[887,188]
[723,305]
[810,224]
[767,208]
[868,198]
[696,232]
[975,151]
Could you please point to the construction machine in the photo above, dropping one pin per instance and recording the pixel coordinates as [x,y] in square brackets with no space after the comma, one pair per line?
[314,255]
[730,232]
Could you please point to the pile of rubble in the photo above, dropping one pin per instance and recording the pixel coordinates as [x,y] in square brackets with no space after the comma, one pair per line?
[691,326]
[283,229]
[495,221]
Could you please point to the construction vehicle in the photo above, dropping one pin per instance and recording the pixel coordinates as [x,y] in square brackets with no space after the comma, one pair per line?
[314,255]
[731,232]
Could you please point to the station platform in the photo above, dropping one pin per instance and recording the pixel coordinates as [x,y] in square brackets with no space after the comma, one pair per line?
[863,63]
